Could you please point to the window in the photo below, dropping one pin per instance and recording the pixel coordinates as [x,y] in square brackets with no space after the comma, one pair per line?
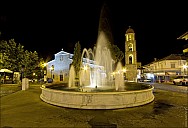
[161,66]
[61,77]
[130,59]
[172,65]
[61,58]
[127,38]
[130,47]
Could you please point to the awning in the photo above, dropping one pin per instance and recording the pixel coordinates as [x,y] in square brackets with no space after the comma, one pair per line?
[6,70]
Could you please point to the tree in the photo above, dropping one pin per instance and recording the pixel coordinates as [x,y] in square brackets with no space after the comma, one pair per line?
[15,58]
[12,54]
[117,54]
[31,63]
[77,58]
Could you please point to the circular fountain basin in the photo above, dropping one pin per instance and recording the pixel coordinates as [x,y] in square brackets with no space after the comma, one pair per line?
[97,100]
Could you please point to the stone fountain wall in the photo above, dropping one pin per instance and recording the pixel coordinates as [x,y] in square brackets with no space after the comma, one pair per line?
[97,100]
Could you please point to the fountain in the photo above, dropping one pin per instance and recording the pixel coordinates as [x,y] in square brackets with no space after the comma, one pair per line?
[98,74]
[71,77]
[119,78]
[99,86]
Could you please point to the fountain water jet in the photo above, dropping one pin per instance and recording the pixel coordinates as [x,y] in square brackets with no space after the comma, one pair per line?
[71,77]
[119,77]
[98,74]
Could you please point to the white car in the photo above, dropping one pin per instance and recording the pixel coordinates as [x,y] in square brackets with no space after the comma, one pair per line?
[181,80]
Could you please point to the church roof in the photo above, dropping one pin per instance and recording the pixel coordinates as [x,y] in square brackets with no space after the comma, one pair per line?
[129,30]
[62,52]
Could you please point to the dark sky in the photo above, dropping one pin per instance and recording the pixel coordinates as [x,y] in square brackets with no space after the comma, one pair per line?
[47,27]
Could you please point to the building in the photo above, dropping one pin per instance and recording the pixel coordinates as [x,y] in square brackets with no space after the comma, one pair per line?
[185,47]
[130,55]
[58,69]
[184,36]
[166,68]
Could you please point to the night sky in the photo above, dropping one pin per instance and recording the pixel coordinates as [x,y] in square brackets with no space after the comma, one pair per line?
[47,27]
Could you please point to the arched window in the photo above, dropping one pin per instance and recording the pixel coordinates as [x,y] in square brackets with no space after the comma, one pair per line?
[130,47]
[130,59]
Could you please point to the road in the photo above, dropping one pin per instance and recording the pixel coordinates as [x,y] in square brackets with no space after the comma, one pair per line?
[169,87]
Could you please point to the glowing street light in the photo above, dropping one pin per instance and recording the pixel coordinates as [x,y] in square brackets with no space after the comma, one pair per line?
[124,70]
[44,64]
[85,67]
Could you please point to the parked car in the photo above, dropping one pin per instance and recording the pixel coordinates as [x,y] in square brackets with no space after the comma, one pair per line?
[181,80]
[50,80]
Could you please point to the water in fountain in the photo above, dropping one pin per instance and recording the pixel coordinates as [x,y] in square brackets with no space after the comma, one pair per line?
[85,76]
[99,74]
[71,77]
[102,75]
[119,77]
[85,69]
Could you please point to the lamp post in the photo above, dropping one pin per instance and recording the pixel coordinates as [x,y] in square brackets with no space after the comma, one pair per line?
[44,72]
[52,69]
[184,69]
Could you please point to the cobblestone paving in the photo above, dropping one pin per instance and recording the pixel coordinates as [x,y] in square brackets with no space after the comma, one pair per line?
[26,109]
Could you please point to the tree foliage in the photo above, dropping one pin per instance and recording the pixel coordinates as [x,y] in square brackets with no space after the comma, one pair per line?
[17,59]
[117,54]
[77,58]
[13,55]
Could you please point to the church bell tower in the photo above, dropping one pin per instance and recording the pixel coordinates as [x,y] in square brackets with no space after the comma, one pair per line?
[130,55]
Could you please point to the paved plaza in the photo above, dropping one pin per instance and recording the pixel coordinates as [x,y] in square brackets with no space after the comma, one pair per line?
[26,109]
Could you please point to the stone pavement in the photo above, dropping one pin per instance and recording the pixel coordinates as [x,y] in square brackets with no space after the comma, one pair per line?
[26,109]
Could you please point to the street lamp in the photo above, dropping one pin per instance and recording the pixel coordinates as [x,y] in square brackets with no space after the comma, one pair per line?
[44,71]
[184,69]
[52,69]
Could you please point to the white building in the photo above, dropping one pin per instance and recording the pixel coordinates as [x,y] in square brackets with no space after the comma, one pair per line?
[58,69]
